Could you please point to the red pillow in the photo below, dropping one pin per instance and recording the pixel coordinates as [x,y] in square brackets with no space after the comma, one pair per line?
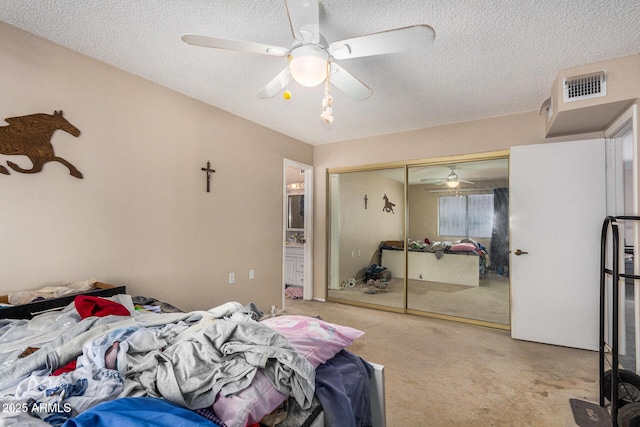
[89,306]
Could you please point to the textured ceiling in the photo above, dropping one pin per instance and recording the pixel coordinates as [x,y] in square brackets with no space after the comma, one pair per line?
[489,58]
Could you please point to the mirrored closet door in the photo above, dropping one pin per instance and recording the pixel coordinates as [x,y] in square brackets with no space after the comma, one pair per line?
[426,238]
[458,240]
[366,214]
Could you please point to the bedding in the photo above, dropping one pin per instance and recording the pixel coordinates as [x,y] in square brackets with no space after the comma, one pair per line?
[342,388]
[440,248]
[50,292]
[457,271]
[222,363]
[139,412]
[316,340]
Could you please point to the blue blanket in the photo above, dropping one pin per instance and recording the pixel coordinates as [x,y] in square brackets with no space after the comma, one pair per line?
[139,412]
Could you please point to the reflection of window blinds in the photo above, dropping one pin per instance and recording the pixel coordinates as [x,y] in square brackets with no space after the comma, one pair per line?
[452,216]
[480,215]
[465,216]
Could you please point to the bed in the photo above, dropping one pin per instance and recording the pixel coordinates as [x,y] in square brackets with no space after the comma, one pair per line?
[119,360]
[460,263]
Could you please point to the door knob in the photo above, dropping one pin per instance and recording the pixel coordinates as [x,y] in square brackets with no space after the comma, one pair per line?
[519,252]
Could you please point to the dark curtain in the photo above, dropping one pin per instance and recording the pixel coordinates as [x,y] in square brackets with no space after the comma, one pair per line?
[499,252]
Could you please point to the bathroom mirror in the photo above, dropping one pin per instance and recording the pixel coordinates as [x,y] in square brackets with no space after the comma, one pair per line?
[295,213]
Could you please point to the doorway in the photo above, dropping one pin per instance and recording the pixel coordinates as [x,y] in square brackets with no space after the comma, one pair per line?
[622,190]
[297,277]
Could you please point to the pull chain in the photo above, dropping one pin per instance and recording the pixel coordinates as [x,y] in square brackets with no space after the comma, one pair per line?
[327,109]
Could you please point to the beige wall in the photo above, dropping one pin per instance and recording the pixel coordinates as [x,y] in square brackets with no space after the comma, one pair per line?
[423,213]
[141,216]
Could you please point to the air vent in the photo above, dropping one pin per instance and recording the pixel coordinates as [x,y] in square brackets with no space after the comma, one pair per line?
[584,87]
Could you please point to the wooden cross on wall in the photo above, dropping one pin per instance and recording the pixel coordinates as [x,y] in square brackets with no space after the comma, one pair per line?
[209,171]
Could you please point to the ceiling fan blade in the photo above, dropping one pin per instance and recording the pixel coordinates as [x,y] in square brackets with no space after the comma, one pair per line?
[349,84]
[459,190]
[278,83]
[216,43]
[304,16]
[435,184]
[466,182]
[392,41]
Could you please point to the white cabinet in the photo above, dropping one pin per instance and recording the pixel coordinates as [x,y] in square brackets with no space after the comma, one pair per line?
[299,274]
[294,265]
[289,270]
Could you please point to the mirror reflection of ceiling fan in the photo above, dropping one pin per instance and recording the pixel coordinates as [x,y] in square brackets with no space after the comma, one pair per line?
[452,180]
[312,59]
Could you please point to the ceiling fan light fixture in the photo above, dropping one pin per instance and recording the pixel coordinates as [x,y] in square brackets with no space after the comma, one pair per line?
[308,65]
[452,179]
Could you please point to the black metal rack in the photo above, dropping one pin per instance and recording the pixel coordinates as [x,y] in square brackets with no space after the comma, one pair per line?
[611,222]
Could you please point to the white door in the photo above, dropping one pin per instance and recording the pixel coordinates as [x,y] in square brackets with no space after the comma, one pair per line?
[557,206]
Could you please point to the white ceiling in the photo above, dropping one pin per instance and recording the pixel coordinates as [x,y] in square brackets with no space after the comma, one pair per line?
[489,58]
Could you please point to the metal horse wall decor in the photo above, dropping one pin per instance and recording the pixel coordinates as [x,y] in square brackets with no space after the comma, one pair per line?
[30,136]
[388,206]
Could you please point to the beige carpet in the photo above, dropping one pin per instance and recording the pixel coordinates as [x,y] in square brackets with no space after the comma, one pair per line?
[488,302]
[442,373]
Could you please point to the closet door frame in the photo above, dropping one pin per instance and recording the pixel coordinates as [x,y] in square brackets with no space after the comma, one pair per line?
[331,274]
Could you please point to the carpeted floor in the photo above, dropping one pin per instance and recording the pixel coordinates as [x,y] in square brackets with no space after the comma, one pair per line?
[488,302]
[442,373]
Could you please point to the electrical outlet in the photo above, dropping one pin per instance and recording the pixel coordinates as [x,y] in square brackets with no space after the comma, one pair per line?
[252,274]
[232,278]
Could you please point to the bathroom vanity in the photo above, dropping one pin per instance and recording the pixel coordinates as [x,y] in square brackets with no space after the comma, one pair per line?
[294,264]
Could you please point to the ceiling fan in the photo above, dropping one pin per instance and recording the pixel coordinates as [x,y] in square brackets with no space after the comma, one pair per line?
[452,180]
[312,58]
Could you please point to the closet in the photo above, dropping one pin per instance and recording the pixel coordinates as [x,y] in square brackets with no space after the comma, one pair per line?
[430,236]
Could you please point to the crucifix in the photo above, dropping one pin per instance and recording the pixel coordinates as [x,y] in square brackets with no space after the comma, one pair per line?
[365,201]
[208,170]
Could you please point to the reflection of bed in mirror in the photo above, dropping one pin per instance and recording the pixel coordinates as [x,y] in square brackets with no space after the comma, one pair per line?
[456,268]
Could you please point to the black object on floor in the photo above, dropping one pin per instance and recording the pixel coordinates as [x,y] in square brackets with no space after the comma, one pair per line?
[587,414]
